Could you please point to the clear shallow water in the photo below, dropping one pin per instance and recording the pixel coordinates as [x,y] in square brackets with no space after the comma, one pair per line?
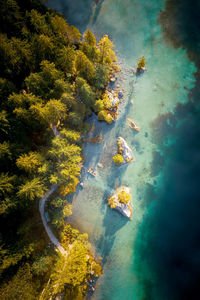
[124,245]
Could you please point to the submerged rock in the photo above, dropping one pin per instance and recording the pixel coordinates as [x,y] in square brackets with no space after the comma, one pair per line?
[121,201]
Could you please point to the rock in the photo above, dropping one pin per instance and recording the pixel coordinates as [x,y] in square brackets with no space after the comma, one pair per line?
[154,88]
[120,94]
[114,100]
[112,79]
[124,208]
[125,149]
[81,184]
[134,71]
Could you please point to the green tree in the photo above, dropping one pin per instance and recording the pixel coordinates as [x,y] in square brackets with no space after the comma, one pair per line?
[62,31]
[72,269]
[44,83]
[101,76]
[104,116]
[98,106]
[84,91]
[107,53]
[15,56]
[42,265]
[66,60]
[6,183]
[32,189]
[75,119]
[124,197]
[38,22]
[60,214]
[118,159]
[51,113]
[4,122]
[6,88]
[5,152]
[72,136]
[84,66]
[30,162]
[43,48]
[20,286]
[89,46]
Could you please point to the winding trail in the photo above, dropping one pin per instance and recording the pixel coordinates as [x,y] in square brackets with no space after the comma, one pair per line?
[51,236]
[42,202]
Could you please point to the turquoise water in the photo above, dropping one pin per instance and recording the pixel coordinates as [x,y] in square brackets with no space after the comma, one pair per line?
[151,100]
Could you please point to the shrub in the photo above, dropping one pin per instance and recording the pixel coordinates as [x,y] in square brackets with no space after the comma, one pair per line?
[118,159]
[104,116]
[124,197]
[111,202]
[98,106]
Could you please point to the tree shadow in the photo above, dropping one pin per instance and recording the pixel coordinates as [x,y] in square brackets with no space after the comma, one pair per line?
[78,13]
[112,222]
[97,10]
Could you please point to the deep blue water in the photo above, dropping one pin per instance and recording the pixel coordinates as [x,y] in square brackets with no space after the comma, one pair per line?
[162,261]
[172,248]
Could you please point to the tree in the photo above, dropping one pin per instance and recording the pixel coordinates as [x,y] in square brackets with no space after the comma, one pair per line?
[68,99]
[51,113]
[6,190]
[75,119]
[66,160]
[30,162]
[5,152]
[101,76]
[11,18]
[84,91]
[15,56]
[39,23]
[4,123]
[118,159]
[89,38]
[66,60]
[141,63]
[6,88]
[89,46]
[104,116]
[20,286]
[124,197]
[44,83]
[60,214]
[42,265]
[6,183]
[84,66]
[43,48]
[98,106]
[72,136]
[107,53]
[72,269]
[32,189]
[62,31]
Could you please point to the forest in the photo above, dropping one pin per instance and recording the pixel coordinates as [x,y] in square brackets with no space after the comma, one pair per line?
[52,79]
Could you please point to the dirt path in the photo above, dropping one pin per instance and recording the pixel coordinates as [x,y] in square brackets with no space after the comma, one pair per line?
[51,236]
